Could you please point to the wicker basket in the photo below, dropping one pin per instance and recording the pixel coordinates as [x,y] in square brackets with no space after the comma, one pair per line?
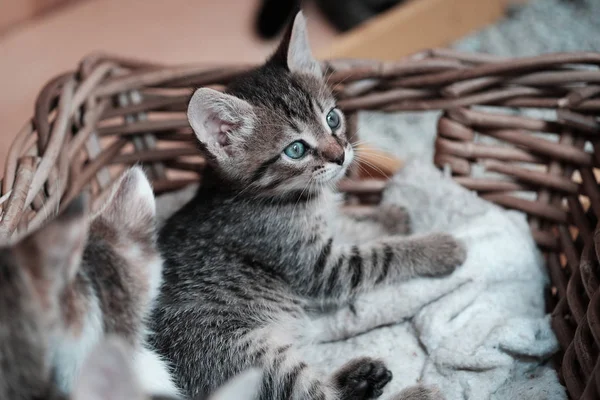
[112,112]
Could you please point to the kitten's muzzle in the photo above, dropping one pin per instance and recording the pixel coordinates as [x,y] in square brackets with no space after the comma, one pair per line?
[339,160]
[332,151]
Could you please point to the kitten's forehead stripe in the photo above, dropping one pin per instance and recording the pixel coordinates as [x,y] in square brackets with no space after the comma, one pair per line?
[319,106]
[276,89]
[289,113]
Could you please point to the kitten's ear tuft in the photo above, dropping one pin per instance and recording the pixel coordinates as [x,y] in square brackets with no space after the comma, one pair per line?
[107,374]
[52,254]
[131,205]
[294,50]
[244,386]
[219,120]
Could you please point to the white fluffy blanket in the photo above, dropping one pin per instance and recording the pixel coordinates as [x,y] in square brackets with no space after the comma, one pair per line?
[480,333]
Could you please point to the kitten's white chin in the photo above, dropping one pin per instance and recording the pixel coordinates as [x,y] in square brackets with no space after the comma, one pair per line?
[340,174]
[333,176]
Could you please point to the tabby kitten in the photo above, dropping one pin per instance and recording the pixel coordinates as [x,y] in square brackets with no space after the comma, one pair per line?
[263,247]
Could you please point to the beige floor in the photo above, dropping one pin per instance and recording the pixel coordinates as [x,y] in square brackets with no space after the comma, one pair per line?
[169,31]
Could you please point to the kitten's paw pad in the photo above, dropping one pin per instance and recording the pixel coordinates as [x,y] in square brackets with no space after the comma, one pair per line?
[445,254]
[420,392]
[362,379]
[395,219]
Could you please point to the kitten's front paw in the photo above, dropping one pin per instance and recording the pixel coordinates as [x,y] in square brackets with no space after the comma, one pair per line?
[395,219]
[444,254]
[420,392]
[362,379]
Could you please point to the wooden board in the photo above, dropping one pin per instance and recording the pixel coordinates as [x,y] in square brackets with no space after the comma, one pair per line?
[414,26]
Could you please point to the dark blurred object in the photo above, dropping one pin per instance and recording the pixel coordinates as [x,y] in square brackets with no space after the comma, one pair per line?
[346,14]
[273,15]
[343,14]
[581,3]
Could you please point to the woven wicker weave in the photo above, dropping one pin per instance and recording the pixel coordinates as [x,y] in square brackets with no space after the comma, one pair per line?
[112,112]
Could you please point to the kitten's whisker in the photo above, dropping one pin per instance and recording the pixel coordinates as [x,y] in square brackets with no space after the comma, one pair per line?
[375,167]
[363,140]
[364,170]
[378,155]
[357,132]
[366,141]
[326,86]
[301,193]
[369,163]
[373,150]
[358,143]
[343,80]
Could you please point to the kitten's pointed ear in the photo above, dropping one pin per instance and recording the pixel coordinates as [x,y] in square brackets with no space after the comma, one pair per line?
[294,50]
[131,205]
[52,254]
[107,374]
[244,386]
[219,120]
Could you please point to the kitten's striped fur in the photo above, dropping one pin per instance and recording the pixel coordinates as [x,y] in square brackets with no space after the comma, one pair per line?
[263,245]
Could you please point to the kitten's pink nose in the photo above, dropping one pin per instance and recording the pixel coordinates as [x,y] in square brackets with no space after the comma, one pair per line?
[334,153]
[340,159]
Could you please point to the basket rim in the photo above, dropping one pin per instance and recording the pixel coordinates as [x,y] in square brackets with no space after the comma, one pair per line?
[101,75]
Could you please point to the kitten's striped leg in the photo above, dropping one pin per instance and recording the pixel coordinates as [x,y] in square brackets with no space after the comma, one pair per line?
[341,271]
[286,376]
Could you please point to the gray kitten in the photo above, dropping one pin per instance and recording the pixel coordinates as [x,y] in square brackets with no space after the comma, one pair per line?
[264,246]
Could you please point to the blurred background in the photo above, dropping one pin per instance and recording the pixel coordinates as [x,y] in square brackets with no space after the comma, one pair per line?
[42,38]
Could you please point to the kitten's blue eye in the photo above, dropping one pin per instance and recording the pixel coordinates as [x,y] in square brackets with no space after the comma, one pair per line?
[333,119]
[296,150]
